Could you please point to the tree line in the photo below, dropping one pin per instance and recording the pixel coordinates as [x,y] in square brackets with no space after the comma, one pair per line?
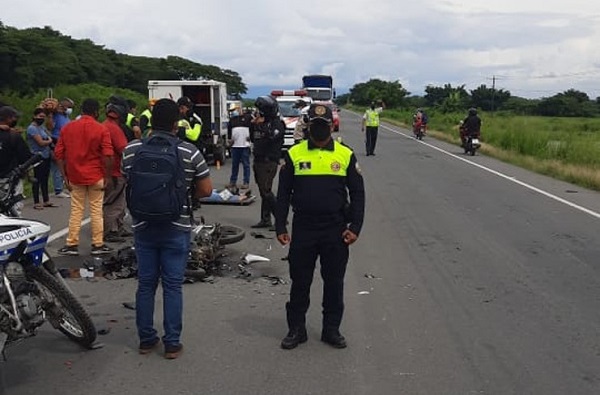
[41,58]
[448,99]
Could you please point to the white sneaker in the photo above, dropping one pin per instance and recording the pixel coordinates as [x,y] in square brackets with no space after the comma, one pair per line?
[63,194]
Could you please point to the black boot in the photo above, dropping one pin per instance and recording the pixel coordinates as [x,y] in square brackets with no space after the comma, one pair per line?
[333,337]
[265,216]
[294,337]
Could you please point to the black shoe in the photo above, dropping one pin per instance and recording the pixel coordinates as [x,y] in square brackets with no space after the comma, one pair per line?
[294,337]
[262,224]
[69,250]
[334,338]
[113,237]
[103,249]
[125,233]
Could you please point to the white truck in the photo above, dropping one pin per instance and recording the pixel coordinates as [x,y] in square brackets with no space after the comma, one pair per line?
[210,104]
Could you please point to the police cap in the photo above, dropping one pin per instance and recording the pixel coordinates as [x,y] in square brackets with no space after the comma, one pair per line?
[320,112]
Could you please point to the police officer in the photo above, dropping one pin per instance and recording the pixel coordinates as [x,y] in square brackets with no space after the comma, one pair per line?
[185,130]
[317,178]
[266,133]
[146,118]
[370,124]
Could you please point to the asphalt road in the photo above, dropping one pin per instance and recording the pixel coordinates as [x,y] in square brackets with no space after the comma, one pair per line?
[470,277]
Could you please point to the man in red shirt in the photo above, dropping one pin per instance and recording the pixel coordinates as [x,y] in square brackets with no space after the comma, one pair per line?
[84,155]
[114,193]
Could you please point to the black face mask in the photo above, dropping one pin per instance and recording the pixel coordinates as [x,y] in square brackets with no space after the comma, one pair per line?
[39,121]
[319,134]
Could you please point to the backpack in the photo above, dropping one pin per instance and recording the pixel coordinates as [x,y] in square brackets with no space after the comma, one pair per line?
[156,186]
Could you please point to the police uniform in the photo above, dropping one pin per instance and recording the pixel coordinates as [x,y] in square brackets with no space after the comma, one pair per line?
[371,121]
[317,182]
[267,138]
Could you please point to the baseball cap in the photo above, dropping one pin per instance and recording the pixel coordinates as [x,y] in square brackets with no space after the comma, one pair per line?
[320,112]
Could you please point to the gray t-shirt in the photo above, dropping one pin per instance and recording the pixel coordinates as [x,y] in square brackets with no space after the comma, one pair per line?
[195,169]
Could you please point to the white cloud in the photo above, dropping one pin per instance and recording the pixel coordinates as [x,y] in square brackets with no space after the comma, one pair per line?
[534,47]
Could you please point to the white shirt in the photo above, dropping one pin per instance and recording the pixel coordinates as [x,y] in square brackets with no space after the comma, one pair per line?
[240,137]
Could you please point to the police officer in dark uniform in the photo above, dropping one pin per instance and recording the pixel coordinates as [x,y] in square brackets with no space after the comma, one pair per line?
[266,133]
[317,178]
[13,149]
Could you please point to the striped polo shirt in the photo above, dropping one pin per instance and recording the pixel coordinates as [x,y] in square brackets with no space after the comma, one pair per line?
[195,169]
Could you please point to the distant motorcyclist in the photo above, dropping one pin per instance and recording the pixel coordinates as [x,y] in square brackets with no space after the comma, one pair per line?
[470,127]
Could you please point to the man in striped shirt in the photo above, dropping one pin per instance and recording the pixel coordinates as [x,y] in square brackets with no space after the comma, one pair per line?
[162,251]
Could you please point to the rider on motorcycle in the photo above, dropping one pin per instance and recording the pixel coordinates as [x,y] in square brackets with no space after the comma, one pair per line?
[470,126]
[419,120]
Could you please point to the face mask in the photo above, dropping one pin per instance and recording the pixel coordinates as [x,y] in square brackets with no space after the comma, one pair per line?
[12,124]
[39,121]
[69,111]
[319,134]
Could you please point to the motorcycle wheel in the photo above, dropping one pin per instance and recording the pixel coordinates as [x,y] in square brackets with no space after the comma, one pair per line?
[67,314]
[231,234]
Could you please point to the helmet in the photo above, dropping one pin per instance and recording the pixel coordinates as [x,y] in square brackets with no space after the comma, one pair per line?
[267,106]
[185,101]
[472,111]
[118,105]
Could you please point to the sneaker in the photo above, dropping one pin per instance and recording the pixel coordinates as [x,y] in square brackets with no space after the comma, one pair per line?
[113,237]
[63,195]
[173,351]
[69,250]
[148,347]
[103,249]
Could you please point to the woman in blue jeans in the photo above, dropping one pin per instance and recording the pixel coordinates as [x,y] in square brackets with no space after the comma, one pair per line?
[240,148]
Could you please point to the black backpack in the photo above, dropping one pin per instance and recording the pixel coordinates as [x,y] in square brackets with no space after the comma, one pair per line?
[156,186]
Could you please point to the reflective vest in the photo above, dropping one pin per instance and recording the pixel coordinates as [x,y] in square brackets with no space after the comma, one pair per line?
[320,162]
[372,118]
[130,118]
[191,133]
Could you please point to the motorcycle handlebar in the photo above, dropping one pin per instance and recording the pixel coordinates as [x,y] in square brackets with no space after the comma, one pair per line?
[23,167]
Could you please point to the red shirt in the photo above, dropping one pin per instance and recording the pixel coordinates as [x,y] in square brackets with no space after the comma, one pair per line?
[119,142]
[82,145]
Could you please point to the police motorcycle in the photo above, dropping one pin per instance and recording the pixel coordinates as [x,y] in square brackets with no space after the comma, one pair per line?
[32,291]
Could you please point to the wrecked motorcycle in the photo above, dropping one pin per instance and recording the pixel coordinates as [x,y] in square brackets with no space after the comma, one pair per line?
[31,288]
[207,244]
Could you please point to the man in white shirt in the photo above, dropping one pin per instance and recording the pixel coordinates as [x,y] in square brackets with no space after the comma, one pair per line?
[239,125]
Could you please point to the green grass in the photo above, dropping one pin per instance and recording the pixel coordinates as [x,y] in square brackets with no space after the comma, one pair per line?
[564,148]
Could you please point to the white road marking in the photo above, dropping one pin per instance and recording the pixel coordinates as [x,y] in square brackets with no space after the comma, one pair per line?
[502,175]
[64,231]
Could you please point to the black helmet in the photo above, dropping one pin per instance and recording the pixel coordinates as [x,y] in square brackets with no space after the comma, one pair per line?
[472,111]
[267,106]
[185,101]
[118,105]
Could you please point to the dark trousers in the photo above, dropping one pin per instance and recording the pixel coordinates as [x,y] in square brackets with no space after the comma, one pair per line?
[371,141]
[240,155]
[308,244]
[41,173]
[264,173]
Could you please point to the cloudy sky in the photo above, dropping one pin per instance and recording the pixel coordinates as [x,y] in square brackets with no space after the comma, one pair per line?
[533,48]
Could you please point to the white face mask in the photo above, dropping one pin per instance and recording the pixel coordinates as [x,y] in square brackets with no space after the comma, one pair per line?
[69,111]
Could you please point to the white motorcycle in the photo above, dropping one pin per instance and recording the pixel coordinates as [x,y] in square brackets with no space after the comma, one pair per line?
[32,290]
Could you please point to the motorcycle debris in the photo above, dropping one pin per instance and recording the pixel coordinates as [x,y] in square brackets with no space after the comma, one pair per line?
[369,275]
[96,346]
[257,235]
[364,293]
[275,280]
[103,331]
[129,305]
[208,279]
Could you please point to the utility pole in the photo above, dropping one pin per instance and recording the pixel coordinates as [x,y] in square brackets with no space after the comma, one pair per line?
[493,91]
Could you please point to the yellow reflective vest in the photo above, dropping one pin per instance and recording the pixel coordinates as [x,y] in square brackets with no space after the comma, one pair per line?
[191,133]
[320,162]
[372,118]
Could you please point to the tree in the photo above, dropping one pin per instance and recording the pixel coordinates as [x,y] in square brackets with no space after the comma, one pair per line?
[488,99]
[435,95]
[392,93]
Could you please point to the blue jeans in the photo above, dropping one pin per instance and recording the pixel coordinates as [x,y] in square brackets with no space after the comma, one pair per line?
[161,254]
[240,155]
[57,178]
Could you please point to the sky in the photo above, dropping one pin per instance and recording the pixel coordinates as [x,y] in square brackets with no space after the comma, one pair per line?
[532,48]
